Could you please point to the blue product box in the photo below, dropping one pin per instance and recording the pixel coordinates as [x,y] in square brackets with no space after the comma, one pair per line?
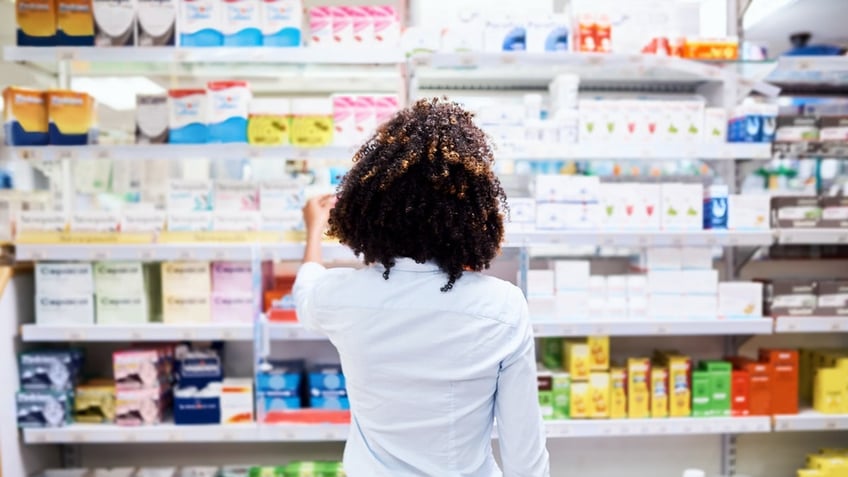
[240,23]
[281,376]
[200,23]
[56,370]
[280,400]
[199,370]
[229,103]
[715,208]
[330,403]
[326,377]
[43,408]
[197,410]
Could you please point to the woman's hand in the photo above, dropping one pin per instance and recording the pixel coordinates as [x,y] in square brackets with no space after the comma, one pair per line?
[316,214]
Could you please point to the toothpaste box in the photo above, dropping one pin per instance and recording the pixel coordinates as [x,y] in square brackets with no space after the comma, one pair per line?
[189,196]
[114,22]
[240,23]
[75,23]
[188,111]
[36,22]
[156,22]
[232,277]
[281,22]
[25,116]
[151,119]
[229,104]
[236,196]
[200,22]
[320,26]
[71,118]
[56,279]
[232,307]
[45,370]
[43,408]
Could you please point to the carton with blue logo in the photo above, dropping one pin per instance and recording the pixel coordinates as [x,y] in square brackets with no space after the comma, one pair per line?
[200,23]
[240,23]
[229,104]
[281,22]
[25,117]
[187,116]
[278,385]
[327,387]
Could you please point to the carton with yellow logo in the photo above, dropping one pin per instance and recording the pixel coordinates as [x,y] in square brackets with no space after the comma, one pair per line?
[71,118]
[618,393]
[599,388]
[36,22]
[599,355]
[829,391]
[24,117]
[577,360]
[75,23]
[580,397]
[638,388]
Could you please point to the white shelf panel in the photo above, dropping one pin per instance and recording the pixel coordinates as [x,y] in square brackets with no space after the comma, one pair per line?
[809,420]
[140,332]
[174,152]
[703,327]
[342,56]
[659,238]
[659,427]
[292,331]
[812,236]
[643,151]
[168,251]
[811,324]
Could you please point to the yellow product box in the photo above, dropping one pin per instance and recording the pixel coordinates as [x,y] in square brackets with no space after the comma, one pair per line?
[71,117]
[599,389]
[659,392]
[25,116]
[580,400]
[576,360]
[830,466]
[599,353]
[94,402]
[75,23]
[268,122]
[618,393]
[186,278]
[312,122]
[186,308]
[638,388]
[810,473]
[36,21]
[679,387]
[829,391]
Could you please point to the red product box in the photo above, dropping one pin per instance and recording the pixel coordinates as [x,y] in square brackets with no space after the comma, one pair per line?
[759,385]
[784,379]
[740,392]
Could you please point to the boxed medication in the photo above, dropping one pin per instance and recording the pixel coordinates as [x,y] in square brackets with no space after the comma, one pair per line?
[715,207]
[281,22]
[784,367]
[580,400]
[197,405]
[229,105]
[131,308]
[200,22]
[659,392]
[701,394]
[682,207]
[561,394]
[94,221]
[386,25]
[344,120]
[43,408]
[748,212]
[544,383]
[740,299]
[25,115]
[236,196]
[740,393]
[188,111]
[94,402]
[71,118]
[139,407]
[599,390]
[241,23]
[139,369]
[320,26]
[64,309]
[232,307]
[540,284]
[571,275]
[795,212]
[791,297]
[327,387]
[720,374]
[232,277]
[36,22]
[63,278]
[236,401]
[235,221]
[618,393]
[576,360]
[547,34]
[189,195]
[715,125]
[504,33]
[832,298]
[638,388]
[157,22]
[191,221]
[49,370]
[142,221]
[151,119]
[182,277]
[75,23]
[116,278]
[114,22]
[342,26]
[268,121]
[186,308]
[599,352]
[834,212]
[312,122]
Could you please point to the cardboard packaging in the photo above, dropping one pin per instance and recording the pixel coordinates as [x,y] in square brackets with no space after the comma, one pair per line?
[139,407]
[241,22]
[832,298]
[682,206]
[638,388]
[795,212]
[784,379]
[618,393]
[43,408]
[720,375]
[185,277]
[49,370]
[545,384]
[94,402]
[702,392]
[599,353]
[36,23]
[829,394]
[56,279]
[740,392]
[281,22]
[186,308]
[200,22]
[188,116]
[834,212]
[71,116]
[151,119]
[599,389]
[114,22]
[580,397]
[659,392]
[740,299]
[791,297]
[748,212]
[229,106]
[237,401]
[577,360]
[64,309]
[561,394]
[75,23]
[25,115]
[157,22]
[679,385]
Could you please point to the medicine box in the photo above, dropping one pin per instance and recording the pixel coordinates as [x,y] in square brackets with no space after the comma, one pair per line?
[188,116]
[71,118]
[56,279]
[740,393]
[544,384]
[46,370]
[638,388]
[599,352]
[186,307]
[571,275]
[580,397]
[599,389]
[795,212]
[740,299]
[702,392]
[241,22]
[576,360]
[64,309]
[94,402]
[185,277]
[193,406]
[43,408]
[36,23]
[232,307]
[75,23]
[157,22]
[237,401]
[114,22]
[784,366]
[120,278]
[791,297]
[280,376]
[834,212]
[25,115]
[682,206]
[151,119]
[139,407]
[199,369]
[229,105]
[659,392]
[618,393]
[138,369]
[540,284]
[748,212]
[126,308]
[832,298]
[720,374]
[95,221]
[236,196]
[200,22]
[281,22]
[561,394]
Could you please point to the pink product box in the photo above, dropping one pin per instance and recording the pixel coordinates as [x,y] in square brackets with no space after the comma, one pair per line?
[139,407]
[232,277]
[137,369]
[229,307]
[386,106]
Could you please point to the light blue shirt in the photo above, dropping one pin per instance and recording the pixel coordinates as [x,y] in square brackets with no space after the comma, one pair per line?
[427,372]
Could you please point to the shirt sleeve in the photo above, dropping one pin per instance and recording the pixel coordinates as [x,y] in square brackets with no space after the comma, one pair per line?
[308,276]
[521,431]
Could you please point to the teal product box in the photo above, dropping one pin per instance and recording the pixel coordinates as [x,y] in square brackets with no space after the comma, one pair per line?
[330,403]
[326,377]
[44,408]
[284,400]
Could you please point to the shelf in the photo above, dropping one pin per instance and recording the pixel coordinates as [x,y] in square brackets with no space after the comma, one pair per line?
[659,238]
[169,251]
[659,427]
[809,420]
[292,332]
[812,236]
[810,324]
[140,332]
[342,56]
[174,152]
[643,151]
[701,327]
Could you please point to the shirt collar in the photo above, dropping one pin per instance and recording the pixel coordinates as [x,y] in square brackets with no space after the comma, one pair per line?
[409,265]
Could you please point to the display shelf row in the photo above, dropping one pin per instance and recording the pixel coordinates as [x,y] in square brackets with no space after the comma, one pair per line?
[157,332]
[584,151]
[97,433]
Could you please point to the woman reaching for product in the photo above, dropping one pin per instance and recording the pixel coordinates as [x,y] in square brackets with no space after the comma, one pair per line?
[431,348]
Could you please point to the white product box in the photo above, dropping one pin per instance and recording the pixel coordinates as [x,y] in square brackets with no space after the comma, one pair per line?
[232,307]
[563,92]
[64,309]
[281,22]
[572,304]
[692,120]
[95,221]
[522,210]
[715,125]
[186,307]
[598,286]
[540,283]
[613,202]
[41,221]
[281,221]
[697,258]
[361,24]
[748,212]
[188,195]
[637,285]
[665,306]
[666,282]
[240,23]
[571,275]
[547,34]
[200,22]
[320,26]
[236,401]
[186,277]
[56,279]
[559,216]
[197,221]
[231,221]
[344,120]
[276,196]
[151,119]
[418,39]
[125,308]
[699,306]
[188,115]
[342,26]
[643,206]
[562,188]
[139,221]
[615,308]
[664,258]
[698,282]
[504,34]
[119,278]
[462,37]
[617,285]
[682,206]
[157,23]
[236,196]
[365,117]
[114,22]
[740,299]
[637,307]
[386,25]
[229,106]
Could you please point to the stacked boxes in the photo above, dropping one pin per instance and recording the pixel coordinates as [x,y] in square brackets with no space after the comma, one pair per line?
[232,292]
[826,463]
[127,292]
[47,381]
[197,391]
[64,293]
[567,202]
[681,283]
[327,389]
[185,297]
[142,385]
[279,386]
[554,393]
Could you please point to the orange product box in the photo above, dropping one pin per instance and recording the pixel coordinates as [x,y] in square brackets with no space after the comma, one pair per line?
[784,379]
[659,391]
[638,388]
[740,390]
[759,385]
[711,49]
[618,393]
[599,353]
[599,391]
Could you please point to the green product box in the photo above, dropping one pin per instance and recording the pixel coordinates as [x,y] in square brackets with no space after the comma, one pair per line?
[544,381]
[267,472]
[552,352]
[314,469]
[721,373]
[561,393]
[701,394]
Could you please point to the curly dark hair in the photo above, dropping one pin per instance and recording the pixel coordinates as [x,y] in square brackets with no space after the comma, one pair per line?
[423,188]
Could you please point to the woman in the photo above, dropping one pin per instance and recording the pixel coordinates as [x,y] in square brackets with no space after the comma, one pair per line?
[431,348]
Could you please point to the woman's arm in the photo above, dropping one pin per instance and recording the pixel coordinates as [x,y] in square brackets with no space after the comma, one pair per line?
[315,216]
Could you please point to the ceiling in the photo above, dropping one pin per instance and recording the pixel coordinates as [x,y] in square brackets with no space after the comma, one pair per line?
[826,19]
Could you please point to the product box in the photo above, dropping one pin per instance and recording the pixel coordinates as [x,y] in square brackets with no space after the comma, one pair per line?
[232,307]
[715,207]
[599,389]
[342,26]
[740,390]
[268,121]
[232,276]
[280,376]
[540,284]
[186,277]
[312,122]
[577,361]
[618,393]
[702,392]
[49,370]
[156,23]
[599,353]
[791,297]
[832,298]
[663,258]
[94,402]
[188,114]
[64,309]
[682,207]
[784,379]
[198,369]
[327,387]
[200,22]
[193,406]
[237,401]
[547,34]
[522,215]
[797,129]
[834,212]
[43,408]
[748,212]
[700,282]
[715,125]
[142,221]
[679,386]
[571,275]
[344,120]
[545,384]
[638,388]
[829,391]
[229,105]
[186,308]
[120,278]
[236,196]
[759,387]
[280,22]
[551,350]
[364,116]
[190,221]
[71,118]
[740,299]
[236,221]
[132,308]
[25,113]
[795,212]
[561,394]
[320,26]
[114,22]
[720,375]
[241,22]
[580,399]
[56,279]
[94,221]
[75,23]
[151,119]
[138,369]
[139,407]
[386,25]
[562,216]
[36,23]
[659,392]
